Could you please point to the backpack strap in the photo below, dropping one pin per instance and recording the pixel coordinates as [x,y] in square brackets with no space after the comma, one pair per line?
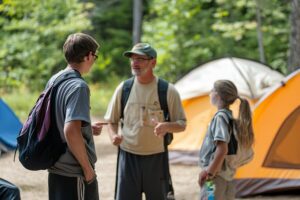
[127,85]
[233,144]
[65,76]
[162,95]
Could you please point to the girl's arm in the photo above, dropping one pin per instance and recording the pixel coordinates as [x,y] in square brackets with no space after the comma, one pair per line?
[216,163]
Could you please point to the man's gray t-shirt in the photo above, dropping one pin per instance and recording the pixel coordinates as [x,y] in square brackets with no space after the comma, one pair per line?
[73,103]
[217,131]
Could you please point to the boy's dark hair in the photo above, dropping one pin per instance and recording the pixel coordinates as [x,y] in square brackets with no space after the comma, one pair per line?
[77,46]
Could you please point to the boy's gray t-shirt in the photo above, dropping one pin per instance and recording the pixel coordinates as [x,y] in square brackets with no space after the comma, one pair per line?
[217,131]
[73,103]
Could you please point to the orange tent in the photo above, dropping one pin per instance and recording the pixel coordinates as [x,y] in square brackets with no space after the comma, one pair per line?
[276,121]
[252,79]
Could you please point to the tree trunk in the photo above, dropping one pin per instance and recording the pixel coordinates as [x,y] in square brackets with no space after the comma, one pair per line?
[137,20]
[260,35]
[294,56]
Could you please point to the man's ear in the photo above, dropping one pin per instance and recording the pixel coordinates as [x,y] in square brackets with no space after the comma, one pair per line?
[153,62]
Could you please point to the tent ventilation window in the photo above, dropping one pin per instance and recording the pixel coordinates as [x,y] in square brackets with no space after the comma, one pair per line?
[285,149]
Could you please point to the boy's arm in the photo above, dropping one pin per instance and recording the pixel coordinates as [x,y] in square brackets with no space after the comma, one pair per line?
[75,142]
[97,127]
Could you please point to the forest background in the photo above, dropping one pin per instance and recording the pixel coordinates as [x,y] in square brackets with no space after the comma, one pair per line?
[185,33]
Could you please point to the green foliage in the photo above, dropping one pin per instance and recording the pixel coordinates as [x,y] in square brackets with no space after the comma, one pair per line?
[21,106]
[112,22]
[32,36]
[100,97]
[187,33]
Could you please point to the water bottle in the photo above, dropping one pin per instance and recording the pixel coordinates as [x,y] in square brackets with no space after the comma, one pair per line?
[210,189]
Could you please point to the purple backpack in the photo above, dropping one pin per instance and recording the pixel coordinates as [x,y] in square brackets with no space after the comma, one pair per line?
[39,141]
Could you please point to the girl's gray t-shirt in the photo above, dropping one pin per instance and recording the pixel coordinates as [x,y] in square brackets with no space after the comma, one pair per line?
[217,131]
[73,103]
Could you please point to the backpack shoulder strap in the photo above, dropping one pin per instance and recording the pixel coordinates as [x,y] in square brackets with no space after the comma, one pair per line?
[224,115]
[126,89]
[66,76]
[162,95]
[60,79]
[162,89]
[233,144]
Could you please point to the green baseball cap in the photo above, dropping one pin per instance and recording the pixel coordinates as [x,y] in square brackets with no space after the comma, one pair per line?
[141,49]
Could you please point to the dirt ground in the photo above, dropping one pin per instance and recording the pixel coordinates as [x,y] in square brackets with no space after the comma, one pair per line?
[33,184]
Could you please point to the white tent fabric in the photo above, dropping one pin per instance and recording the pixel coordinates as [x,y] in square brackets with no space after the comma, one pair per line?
[251,78]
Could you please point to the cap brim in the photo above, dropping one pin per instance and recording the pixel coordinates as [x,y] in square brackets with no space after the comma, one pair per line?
[129,53]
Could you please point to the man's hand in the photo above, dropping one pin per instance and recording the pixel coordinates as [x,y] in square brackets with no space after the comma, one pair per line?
[113,134]
[116,139]
[160,129]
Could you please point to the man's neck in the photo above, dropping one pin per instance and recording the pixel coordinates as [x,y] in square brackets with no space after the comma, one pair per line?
[145,79]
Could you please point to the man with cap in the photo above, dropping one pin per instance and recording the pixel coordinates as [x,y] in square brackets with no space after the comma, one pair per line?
[143,127]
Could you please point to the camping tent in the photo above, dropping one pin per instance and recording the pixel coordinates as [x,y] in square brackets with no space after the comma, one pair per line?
[276,121]
[10,126]
[252,79]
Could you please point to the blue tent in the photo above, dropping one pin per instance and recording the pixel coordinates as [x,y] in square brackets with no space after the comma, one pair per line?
[10,126]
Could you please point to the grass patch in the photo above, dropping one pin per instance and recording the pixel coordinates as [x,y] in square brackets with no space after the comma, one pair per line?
[21,101]
[100,97]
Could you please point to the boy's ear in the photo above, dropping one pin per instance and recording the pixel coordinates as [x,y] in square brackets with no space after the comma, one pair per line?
[88,57]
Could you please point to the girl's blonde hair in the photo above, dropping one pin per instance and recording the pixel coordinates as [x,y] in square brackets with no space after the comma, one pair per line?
[228,94]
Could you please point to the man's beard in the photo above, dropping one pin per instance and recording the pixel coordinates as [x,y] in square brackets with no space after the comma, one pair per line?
[138,72]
